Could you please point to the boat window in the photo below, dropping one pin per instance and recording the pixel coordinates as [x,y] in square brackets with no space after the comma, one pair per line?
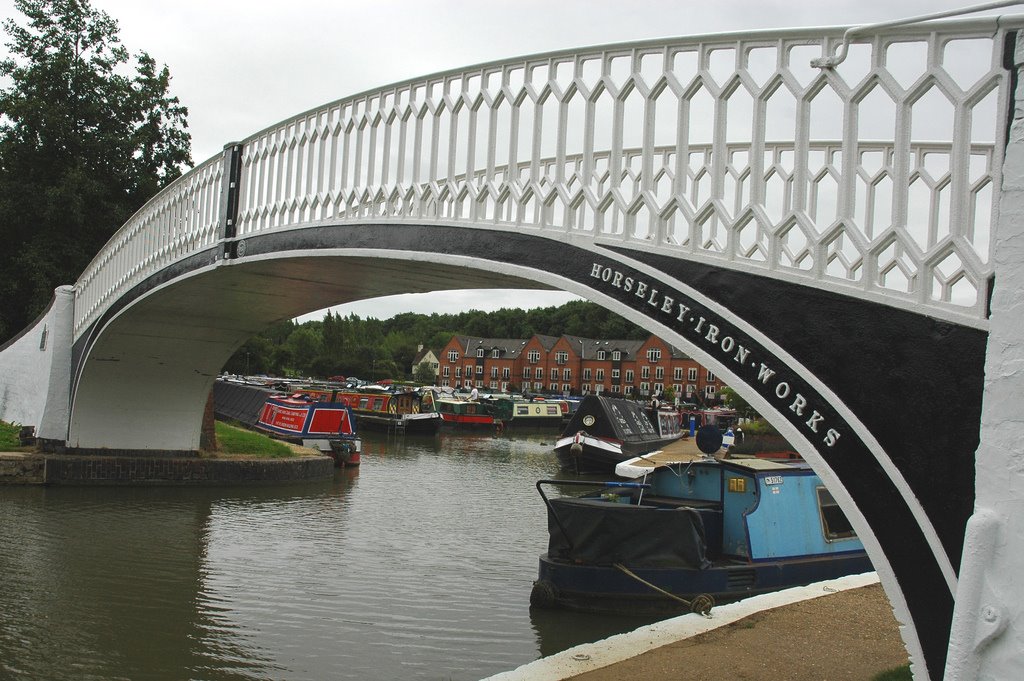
[363,401]
[833,521]
[378,403]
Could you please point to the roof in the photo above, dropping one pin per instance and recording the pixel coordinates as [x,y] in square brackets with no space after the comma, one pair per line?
[421,355]
[509,348]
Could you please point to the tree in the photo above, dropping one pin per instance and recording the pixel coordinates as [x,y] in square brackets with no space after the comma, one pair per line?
[85,140]
[734,400]
[305,345]
[424,373]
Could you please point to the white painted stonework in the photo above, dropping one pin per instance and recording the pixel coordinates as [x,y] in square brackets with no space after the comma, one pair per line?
[36,369]
[987,641]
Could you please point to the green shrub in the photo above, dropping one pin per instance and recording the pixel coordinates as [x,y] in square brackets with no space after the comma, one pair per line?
[9,436]
[758,427]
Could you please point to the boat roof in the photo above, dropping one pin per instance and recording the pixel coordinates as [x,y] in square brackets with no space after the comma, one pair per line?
[757,465]
[647,463]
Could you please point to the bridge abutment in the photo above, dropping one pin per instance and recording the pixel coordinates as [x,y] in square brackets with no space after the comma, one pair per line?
[36,366]
[987,639]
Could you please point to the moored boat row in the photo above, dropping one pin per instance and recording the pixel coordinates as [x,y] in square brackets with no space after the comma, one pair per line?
[676,530]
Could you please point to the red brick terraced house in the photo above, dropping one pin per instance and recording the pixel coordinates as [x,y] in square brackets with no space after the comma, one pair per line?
[571,365]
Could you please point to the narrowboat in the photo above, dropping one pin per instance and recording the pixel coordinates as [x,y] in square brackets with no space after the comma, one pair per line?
[377,408]
[605,431]
[690,531]
[465,414]
[325,426]
[543,414]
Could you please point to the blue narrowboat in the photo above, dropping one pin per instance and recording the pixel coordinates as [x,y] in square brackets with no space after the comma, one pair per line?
[690,531]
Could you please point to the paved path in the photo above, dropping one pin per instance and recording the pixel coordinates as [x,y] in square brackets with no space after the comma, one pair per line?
[843,630]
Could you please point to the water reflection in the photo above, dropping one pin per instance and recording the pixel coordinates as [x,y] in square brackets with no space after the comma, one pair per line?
[557,630]
[416,565]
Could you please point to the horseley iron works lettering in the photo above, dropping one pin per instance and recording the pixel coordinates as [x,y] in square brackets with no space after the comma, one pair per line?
[709,333]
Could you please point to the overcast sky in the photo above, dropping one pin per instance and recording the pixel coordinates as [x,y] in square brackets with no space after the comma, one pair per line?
[241,66]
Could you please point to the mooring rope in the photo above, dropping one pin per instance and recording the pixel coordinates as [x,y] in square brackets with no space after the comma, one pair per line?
[700,605]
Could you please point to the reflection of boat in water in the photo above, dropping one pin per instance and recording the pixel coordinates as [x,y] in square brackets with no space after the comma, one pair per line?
[324,426]
[557,630]
[691,532]
[607,430]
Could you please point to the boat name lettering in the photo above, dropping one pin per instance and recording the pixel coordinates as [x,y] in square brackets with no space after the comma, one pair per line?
[773,480]
[703,330]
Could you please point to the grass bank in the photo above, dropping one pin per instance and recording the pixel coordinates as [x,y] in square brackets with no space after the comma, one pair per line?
[898,674]
[236,442]
[233,442]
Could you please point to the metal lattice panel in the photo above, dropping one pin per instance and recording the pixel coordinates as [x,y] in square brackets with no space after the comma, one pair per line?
[179,221]
[877,178]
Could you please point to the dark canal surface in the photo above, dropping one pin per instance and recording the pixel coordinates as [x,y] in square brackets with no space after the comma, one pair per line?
[416,565]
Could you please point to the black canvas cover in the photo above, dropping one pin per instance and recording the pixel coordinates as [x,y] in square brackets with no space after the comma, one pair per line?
[602,533]
[612,417]
[239,402]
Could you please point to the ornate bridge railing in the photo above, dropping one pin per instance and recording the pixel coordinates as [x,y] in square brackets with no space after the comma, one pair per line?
[876,178]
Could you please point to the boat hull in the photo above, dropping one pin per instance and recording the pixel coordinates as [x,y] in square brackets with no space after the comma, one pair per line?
[607,589]
[468,421]
[414,424]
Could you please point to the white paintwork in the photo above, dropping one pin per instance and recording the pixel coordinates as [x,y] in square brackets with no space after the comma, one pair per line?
[988,633]
[36,371]
[876,179]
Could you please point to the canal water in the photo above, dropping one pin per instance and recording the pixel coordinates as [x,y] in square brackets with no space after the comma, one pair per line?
[416,565]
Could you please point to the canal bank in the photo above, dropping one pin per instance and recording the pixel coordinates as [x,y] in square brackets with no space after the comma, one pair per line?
[843,629]
[31,468]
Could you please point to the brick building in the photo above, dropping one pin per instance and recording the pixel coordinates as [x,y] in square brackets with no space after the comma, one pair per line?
[574,365]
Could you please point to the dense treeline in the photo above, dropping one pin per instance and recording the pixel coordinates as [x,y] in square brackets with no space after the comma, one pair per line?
[88,133]
[376,349]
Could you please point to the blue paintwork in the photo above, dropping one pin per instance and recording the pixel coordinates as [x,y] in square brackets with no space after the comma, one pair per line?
[763,531]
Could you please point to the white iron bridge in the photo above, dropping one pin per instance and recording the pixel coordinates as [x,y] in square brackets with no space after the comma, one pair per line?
[828,219]
[876,178]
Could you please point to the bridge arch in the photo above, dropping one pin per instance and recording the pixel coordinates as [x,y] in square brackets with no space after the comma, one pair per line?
[802,357]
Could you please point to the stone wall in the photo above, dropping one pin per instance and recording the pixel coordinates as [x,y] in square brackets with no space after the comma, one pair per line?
[126,470]
[21,469]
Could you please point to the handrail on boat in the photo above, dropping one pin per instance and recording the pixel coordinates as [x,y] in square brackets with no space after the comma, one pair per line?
[580,483]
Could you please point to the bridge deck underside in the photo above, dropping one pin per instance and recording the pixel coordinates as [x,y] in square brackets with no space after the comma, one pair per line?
[156,361]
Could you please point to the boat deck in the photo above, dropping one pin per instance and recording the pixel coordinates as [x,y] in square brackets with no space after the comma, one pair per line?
[680,451]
